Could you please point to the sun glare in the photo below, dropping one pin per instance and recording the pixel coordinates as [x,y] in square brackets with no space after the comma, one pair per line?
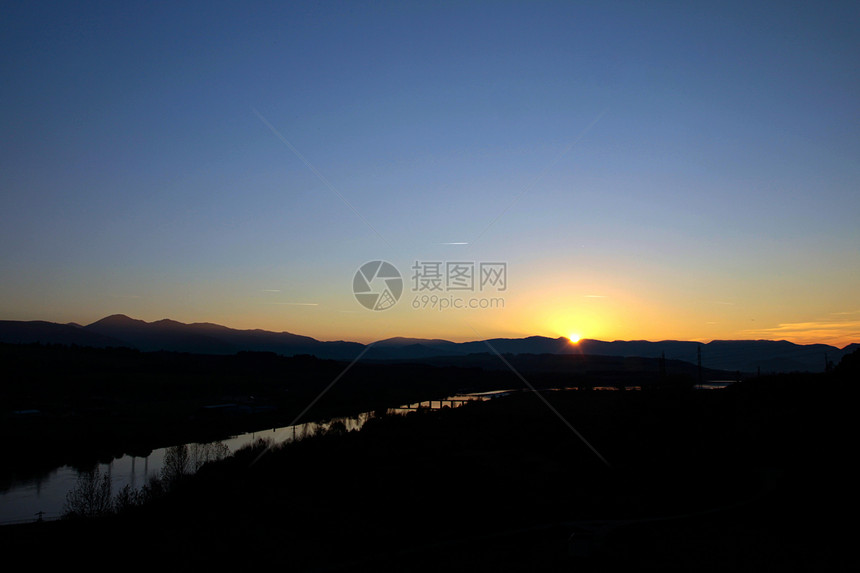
[574,338]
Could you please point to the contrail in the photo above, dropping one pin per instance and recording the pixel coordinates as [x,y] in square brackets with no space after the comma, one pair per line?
[317,173]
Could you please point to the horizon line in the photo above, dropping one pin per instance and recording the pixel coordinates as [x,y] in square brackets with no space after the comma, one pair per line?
[419,338]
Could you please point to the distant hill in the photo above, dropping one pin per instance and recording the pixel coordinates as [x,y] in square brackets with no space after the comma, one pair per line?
[732,355]
[26,332]
[207,338]
[118,330]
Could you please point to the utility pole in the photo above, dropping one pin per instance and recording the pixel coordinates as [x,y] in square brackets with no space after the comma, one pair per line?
[663,366]
[699,356]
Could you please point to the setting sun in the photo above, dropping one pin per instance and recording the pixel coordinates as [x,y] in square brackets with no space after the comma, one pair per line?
[574,338]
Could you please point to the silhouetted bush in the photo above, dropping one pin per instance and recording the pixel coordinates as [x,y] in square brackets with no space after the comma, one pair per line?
[254,449]
[849,365]
[177,464]
[91,497]
[153,490]
[126,499]
[336,428]
[202,454]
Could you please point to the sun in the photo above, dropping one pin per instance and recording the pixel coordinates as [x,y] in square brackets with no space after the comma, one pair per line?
[574,337]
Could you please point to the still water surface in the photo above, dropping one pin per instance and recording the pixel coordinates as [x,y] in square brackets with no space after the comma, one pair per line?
[47,494]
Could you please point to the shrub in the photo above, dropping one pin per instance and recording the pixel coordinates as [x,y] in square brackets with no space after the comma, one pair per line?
[91,497]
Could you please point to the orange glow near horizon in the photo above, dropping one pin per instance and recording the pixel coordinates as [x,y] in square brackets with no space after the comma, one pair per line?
[626,322]
[598,311]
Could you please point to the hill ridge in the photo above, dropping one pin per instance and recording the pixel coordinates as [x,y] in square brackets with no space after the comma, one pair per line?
[210,338]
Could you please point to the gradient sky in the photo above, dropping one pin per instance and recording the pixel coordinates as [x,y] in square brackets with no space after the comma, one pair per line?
[647,170]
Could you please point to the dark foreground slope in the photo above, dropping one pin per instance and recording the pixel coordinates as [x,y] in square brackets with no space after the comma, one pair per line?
[754,477]
[76,405]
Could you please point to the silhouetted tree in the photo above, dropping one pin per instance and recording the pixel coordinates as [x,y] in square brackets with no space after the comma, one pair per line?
[91,497]
[152,490]
[177,464]
[203,453]
[336,428]
[849,365]
[125,499]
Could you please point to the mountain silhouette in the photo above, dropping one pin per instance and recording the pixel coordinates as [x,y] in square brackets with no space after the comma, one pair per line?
[208,338]
[27,332]
[119,330]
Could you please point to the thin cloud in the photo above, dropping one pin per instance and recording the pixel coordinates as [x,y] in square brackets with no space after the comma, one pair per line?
[811,331]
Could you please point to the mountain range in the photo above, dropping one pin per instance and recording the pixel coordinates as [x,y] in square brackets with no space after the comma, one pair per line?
[205,338]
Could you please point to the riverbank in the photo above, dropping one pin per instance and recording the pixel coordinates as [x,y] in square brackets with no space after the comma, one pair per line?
[499,484]
[79,406]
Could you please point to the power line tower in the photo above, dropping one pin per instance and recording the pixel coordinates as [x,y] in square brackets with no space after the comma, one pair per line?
[699,357]
[663,367]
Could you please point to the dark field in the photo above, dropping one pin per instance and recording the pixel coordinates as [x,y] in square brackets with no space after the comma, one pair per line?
[754,477]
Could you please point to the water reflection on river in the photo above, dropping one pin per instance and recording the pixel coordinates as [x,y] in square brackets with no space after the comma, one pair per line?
[47,494]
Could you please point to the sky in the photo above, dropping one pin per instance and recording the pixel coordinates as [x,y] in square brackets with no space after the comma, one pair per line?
[631,170]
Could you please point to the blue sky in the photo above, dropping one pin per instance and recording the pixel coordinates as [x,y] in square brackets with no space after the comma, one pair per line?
[647,170]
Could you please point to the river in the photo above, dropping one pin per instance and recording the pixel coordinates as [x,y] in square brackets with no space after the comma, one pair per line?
[25,500]
[45,496]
